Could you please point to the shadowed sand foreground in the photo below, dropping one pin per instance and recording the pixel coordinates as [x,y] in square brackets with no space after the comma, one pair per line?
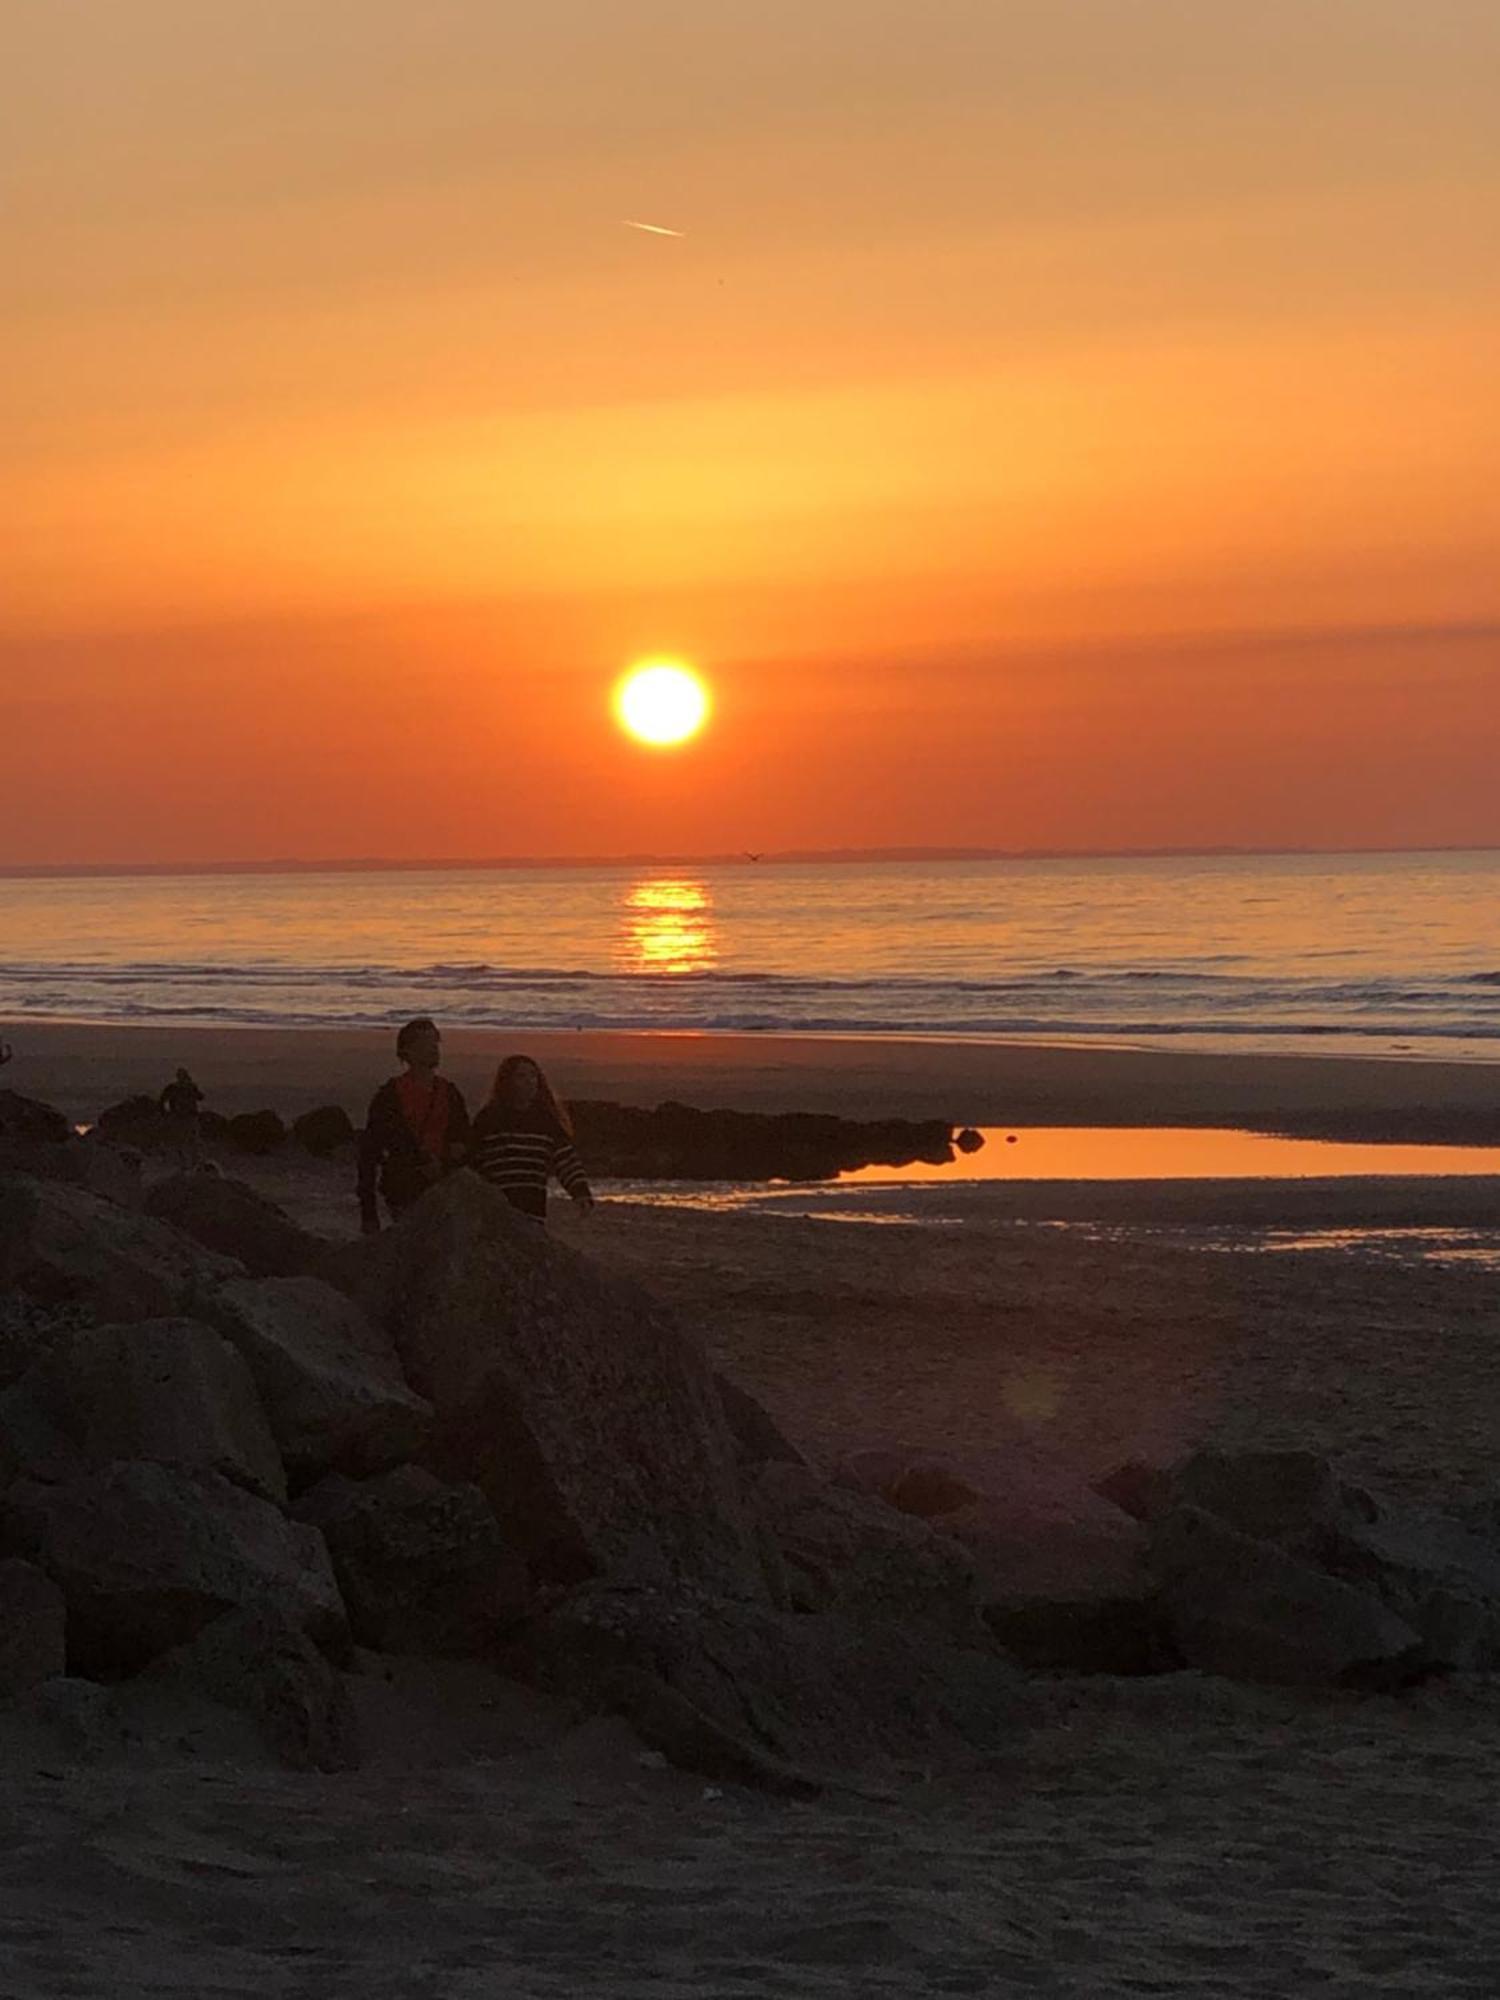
[1178,1835]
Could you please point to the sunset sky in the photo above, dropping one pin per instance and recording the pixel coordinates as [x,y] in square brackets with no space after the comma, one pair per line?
[1062,423]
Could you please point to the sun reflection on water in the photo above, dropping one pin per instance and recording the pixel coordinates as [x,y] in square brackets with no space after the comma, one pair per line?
[668,926]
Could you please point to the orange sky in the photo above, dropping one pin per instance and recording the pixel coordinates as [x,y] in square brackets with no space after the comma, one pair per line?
[1065,424]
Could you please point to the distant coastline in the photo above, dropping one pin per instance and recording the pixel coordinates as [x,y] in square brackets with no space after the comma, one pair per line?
[377,865]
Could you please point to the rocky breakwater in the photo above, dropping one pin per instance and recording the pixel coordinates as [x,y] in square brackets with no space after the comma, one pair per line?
[677,1142]
[242,1484]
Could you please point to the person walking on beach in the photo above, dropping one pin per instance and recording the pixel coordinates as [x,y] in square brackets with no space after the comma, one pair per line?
[179,1104]
[523,1137]
[416,1128]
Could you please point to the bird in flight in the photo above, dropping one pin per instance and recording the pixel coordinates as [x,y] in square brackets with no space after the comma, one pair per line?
[653,229]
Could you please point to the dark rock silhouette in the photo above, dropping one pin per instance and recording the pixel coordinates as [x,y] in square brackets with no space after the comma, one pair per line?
[33,1621]
[577,1402]
[147,1555]
[422,1565]
[257,1132]
[257,1660]
[60,1245]
[167,1391]
[225,1215]
[27,1118]
[330,1381]
[770,1698]
[323,1131]
[846,1553]
[676,1142]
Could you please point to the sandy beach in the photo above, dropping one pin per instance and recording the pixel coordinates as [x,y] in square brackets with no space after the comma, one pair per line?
[81,1068]
[1177,1835]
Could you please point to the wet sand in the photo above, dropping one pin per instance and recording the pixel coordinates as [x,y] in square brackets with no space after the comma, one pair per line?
[83,1068]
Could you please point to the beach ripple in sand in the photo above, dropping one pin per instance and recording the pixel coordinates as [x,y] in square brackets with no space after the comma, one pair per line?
[1173,1837]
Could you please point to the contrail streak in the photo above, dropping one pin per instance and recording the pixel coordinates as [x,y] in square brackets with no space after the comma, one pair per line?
[653,228]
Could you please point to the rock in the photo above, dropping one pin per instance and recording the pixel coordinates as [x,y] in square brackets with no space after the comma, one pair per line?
[31,1444]
[1086,1635]
[257,1661]
[147,1555]
[1248,1610]
[1290,1497]
[422,1566]
[916,1482]
[229,1217]
[676,1142]
[770,1698]
[27,1327]
[1424,1566]
[323,1131]
[135,1121]
[28,1119]
[1142,1491]
[166,1391]
[928,1488]
[585,1411]
[758,1438]
[1432,1572]
[256,1132]
[329,1381]
[111,1172]
[847,1553]
[33,1623]
[63,1246]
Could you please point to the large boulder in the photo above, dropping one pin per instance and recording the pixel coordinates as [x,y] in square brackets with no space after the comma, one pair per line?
[256,1660]
[27,1119]
[147,1555]
[256,1132]
[771,1698]
[1429,1569]
[1245,1608]
[582,1407]
[229,1217]
[846,1553]
[134,1121]
[33,1622]
[329,1380]
[758,1438]
[923,1483]
[324,1130]
[422,1565]
[169,1391]
[64,1246]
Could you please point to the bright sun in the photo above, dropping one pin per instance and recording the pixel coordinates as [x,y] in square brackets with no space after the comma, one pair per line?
[661,702]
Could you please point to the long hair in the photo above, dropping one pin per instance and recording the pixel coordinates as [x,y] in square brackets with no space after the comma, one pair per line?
[546,1104]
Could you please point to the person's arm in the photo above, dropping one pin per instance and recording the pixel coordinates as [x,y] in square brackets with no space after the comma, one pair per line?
[372,1147]
[569,1170]
[460,1137]
[161,1103]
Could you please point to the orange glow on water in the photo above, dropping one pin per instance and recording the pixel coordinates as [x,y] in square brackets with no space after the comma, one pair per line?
[669,927]
[1107,1153]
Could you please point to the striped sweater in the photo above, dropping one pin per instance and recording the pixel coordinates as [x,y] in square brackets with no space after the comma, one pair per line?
[521,1158]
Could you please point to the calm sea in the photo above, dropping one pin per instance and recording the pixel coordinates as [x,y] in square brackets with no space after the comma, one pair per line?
[1380,954]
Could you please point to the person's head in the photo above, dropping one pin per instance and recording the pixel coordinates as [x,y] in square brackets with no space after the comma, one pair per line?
[521,1088]
[419,1045]
[183,1077]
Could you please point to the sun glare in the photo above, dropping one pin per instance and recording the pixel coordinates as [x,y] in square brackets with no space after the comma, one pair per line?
[661,702]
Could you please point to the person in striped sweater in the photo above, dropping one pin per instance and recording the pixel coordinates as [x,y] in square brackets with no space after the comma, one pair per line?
[523,1137]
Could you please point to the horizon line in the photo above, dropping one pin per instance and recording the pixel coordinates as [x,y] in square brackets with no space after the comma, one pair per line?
[743,858]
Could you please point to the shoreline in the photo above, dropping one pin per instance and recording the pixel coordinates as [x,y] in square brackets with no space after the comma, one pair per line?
[81,1068]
